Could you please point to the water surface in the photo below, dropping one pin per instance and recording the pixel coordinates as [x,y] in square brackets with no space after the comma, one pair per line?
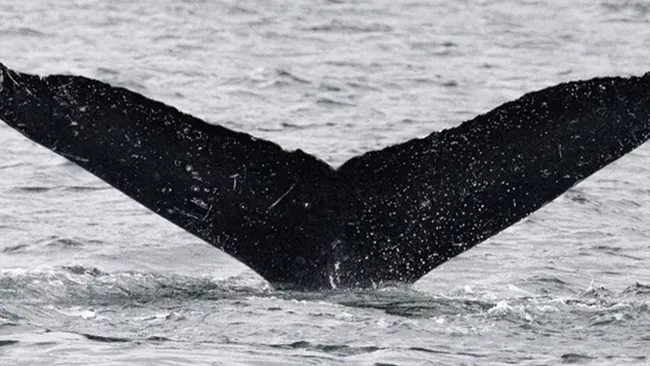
[87,276]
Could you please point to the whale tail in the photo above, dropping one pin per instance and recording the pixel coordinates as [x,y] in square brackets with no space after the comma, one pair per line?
[387,215]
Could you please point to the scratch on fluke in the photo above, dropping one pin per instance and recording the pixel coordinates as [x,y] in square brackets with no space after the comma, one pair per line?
[15,82]
[234,181]
[281,197]
[207,213]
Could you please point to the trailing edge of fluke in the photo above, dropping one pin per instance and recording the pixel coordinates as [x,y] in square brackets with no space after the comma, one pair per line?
[387,215]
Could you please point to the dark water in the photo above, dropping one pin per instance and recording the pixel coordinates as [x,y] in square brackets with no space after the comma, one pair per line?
[89,277]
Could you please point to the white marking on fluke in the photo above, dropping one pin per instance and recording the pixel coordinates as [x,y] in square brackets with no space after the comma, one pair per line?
[332,283]
[334,275]
[281,197]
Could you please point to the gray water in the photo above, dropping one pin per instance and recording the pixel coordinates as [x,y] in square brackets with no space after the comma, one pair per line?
[88,277]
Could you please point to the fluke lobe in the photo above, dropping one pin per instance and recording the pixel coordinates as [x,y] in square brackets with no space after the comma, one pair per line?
[387,215]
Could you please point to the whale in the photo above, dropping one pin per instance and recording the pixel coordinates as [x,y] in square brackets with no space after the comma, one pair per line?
[390,215]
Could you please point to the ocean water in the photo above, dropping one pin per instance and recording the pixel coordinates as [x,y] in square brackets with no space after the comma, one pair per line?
[87,276]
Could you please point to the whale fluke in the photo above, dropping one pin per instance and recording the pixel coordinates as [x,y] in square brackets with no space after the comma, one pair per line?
[387,215]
